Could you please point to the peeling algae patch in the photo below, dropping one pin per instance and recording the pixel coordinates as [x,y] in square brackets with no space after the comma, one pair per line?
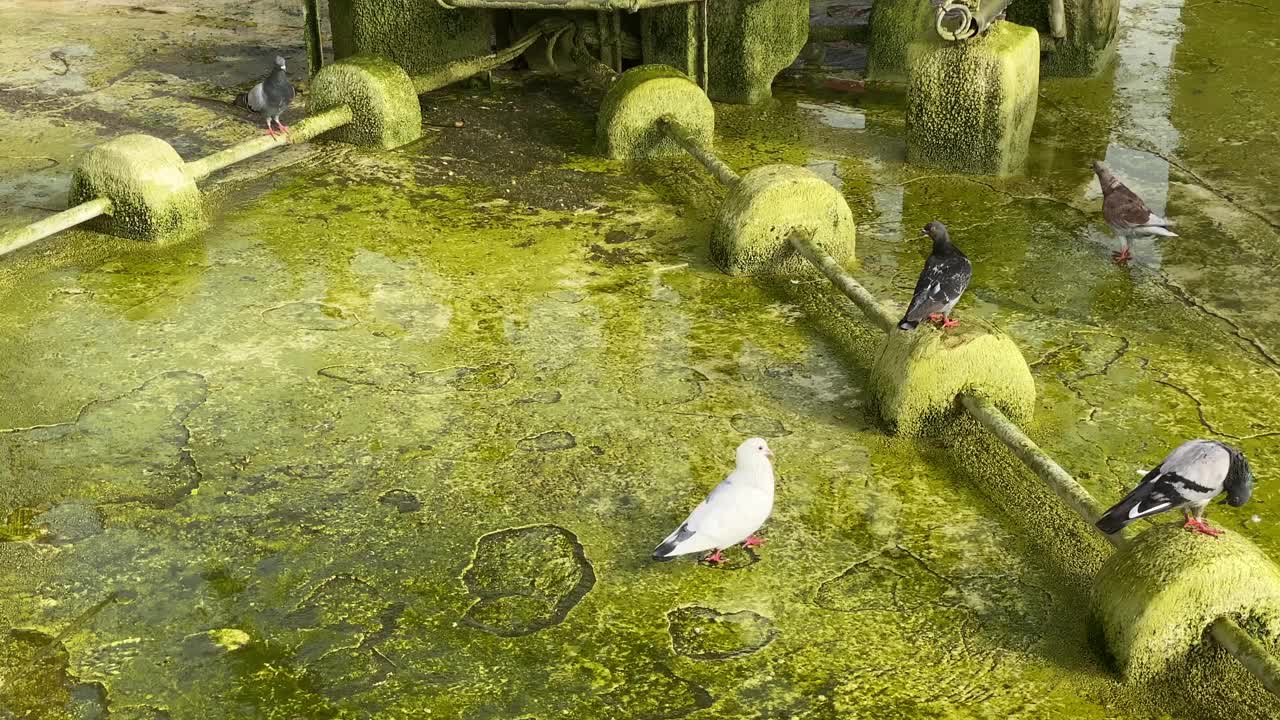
[705,634]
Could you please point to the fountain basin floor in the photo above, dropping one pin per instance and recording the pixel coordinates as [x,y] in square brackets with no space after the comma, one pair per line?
[397,434]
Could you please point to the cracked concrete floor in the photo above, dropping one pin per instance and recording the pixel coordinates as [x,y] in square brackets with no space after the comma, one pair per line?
[397,433]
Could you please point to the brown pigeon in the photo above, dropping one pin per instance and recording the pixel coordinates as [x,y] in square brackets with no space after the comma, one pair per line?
[1125,212]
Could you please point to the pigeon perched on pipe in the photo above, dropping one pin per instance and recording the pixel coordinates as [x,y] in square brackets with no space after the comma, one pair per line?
[1125,212]
[945,276]
[1191,476]
[732,513]
[270,98]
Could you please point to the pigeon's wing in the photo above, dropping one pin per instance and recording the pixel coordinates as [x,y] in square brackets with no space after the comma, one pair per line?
[1147,499]
[731,512]
[257,98]
[940,286]
[1124,209]
[1197,470]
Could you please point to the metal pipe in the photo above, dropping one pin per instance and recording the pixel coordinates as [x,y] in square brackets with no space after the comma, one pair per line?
[311,29]
[304,130]
[24,236]
[457,70]
[956,20]
[704,48]
[601,5]
[843,281]
[1060,481]
[1057,19]
[685,139]
[1248,651]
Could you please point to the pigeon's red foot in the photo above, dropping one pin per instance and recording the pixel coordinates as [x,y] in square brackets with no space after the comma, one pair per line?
[271,132]
[753,541]
[935,317]
[1202,527]
[949,323]
[714,558]
[1121,257]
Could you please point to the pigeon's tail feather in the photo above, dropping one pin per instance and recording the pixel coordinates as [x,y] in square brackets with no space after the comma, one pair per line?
[1159,230]
[666,551]
[1127,511]
[242,101]
[1113,521]
[908,324]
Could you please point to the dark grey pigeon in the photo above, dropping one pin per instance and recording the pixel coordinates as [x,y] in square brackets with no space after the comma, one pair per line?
[270,98]
[1190,477]
[944,278]
[1125,212]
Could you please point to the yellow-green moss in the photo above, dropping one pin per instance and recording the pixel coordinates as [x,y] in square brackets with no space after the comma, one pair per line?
[971,105]
[384,106]
[1156,597]
[1092,27]
[895,24]
[765,206]
[152,196]
[669,36]
[416,35]
[918,374]
[750,42]
[626,126]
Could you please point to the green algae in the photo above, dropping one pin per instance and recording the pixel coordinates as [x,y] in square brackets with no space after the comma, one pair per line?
[971,105]
[152,197]
[895,25]
[1092,28]
[416,36]
[627,124]
[749,43]
[1157,597]
[384,105]
[765,207]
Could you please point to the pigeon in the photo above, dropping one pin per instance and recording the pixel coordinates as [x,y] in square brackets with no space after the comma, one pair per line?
[1191,476]
[1125,212]
[944,278]
[732,513]
[270,98]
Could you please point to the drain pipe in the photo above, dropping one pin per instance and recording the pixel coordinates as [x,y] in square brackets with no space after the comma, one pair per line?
[956,21]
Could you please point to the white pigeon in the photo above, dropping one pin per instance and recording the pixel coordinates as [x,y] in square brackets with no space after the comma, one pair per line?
[732,513]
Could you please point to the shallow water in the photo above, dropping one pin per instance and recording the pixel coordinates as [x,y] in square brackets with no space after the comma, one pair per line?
[397,434]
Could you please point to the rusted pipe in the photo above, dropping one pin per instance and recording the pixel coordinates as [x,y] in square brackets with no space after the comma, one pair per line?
[957,21]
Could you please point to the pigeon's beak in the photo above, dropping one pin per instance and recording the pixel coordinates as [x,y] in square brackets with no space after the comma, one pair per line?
[924,231]
[768,453]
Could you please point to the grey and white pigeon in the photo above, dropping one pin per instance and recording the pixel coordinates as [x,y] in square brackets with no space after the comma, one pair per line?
[1126,213]
[1189,478]
[270,98]
[945,276]
[732,513]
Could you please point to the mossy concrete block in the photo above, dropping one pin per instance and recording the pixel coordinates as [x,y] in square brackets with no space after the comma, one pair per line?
[384,107]
[895,24]
[750,42]
[971,105]
[1156,597]
[627,124]
[918,374]
[152,196]
[417,35]
[750,236]
[669,36]
[1092,28]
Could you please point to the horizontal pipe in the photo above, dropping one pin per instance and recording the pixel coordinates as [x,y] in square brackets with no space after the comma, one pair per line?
[1248,651]
[957,21]
[602,5]
[1060,481]
[459,70]
[843,281]
[690,144]
[24,236]
[304,130]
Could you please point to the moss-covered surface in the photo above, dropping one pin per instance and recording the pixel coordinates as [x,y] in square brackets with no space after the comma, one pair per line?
[918,374]
[1092,28]
[895,24]
[384,106]
[495,330]
[1156,597]
[152,197]
[761,211]
[750,42]
[971,105]
[627,124]
[669,36]
[415,35]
